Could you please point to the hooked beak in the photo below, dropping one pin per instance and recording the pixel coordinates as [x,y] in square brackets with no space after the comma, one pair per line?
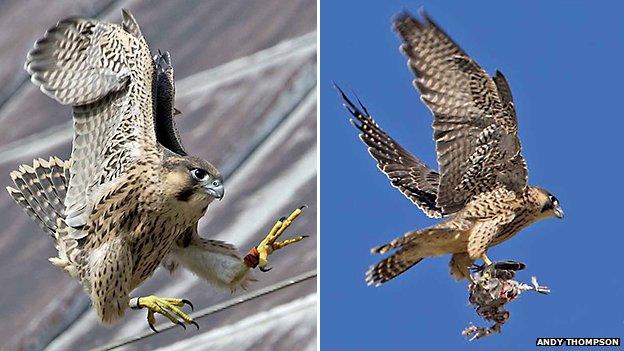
[558,212]
[215,189]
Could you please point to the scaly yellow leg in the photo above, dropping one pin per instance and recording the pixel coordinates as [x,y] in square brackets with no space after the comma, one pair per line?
[168,307]
[269,243]
[486,260]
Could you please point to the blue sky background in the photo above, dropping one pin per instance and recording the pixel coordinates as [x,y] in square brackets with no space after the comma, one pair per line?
[564,63]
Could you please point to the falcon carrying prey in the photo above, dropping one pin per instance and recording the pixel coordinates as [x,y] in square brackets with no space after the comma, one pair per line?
[130,197]
[481,187]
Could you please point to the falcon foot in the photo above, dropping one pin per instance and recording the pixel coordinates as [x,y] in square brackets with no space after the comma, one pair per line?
[492,287]
[258,256]
[477,268]
[168,307]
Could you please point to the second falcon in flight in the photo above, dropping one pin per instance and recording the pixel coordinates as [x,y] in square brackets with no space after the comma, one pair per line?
[481,186]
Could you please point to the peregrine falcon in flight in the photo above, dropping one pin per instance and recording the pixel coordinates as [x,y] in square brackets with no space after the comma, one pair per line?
[130,197]
[481,186]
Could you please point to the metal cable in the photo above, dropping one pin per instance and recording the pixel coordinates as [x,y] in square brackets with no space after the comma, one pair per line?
[215,308]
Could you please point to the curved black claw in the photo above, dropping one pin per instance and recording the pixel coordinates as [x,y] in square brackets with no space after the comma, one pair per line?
[187,302]
[305,236]
[265,269]
[195,324]
[282,219]
[182,325]
[477,268]
[303,206]
[152,328]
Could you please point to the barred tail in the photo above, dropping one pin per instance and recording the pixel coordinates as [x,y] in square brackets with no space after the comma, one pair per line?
[411,248]
[40,191]
[392,266]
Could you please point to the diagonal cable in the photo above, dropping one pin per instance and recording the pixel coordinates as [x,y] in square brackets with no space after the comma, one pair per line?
[215,308]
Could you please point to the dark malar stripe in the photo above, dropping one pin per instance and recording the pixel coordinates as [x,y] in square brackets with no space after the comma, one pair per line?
[185,194]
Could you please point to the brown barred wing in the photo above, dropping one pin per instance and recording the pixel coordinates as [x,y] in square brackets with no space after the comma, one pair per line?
[106,74]
[411,176]
[474,120]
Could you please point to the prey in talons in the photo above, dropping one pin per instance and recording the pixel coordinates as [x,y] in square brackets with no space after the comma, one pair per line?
[492,287]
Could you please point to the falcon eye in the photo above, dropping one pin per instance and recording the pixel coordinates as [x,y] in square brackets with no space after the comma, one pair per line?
[199,174]
[553,200]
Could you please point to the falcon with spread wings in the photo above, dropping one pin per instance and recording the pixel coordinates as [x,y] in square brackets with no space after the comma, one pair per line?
[130,197]
[481,186]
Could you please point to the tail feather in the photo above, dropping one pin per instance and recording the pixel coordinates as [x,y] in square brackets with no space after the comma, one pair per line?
[21,201]
[40,191]
[68,250]
[59,176]
[411,250]
[392,266]
[25,183]
[45,170]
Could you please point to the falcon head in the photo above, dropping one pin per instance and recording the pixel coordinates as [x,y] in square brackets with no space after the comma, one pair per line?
[548,204]
[192,180]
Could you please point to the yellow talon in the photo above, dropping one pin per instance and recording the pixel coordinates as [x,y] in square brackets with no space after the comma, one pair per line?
[168,307]
[264,254]
[273,233]
[268,244]
[280,244]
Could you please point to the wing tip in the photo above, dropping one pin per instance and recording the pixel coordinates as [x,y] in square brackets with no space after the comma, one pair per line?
[405,20]
[126,13]
[405,15]
[163,60]
[351,106]
[129,23]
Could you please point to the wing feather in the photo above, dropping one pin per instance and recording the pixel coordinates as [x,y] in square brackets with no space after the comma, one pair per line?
[167,133]
[474,121]
[106,74]
[130,24]
[71,63]
[411,176]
